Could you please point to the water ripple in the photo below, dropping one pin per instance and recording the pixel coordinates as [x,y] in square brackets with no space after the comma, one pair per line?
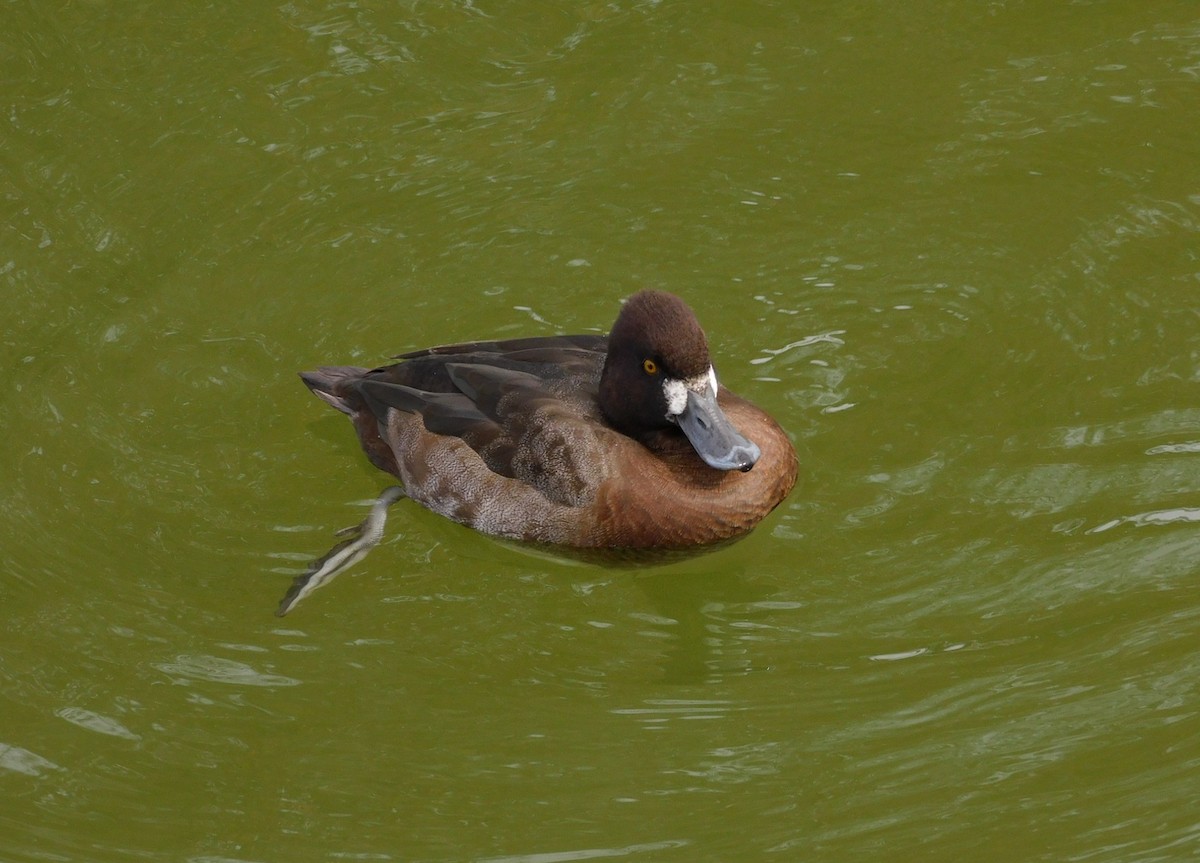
[214,669]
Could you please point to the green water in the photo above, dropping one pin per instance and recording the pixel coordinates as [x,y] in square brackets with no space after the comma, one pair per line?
[953,248]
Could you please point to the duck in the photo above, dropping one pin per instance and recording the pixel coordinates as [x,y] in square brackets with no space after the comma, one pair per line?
[625,441]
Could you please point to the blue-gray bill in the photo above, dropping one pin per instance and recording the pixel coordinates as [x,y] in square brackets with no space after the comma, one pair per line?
[712,434]
[363,538]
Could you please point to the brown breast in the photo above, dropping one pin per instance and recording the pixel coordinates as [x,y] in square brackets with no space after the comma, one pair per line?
[669,497]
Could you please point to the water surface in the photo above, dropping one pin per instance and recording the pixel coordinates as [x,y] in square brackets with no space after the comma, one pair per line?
[952,248]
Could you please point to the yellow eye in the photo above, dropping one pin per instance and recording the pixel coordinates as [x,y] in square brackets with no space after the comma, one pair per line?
[650,367]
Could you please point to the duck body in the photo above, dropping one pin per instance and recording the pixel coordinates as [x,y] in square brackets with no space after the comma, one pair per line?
[624,441]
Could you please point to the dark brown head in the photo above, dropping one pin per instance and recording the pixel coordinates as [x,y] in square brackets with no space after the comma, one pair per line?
[658,374]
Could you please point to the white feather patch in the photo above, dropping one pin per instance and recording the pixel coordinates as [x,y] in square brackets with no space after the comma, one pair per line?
[675,393]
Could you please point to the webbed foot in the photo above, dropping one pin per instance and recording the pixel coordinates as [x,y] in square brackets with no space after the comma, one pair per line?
[362,538]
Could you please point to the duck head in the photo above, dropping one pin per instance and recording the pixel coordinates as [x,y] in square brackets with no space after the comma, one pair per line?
[658,374]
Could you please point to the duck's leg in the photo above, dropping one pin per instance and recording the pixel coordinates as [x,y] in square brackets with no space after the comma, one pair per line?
[363,538]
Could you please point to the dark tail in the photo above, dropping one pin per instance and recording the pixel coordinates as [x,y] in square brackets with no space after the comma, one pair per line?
[326,384]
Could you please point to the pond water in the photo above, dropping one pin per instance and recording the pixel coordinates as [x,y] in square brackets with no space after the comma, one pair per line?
[953,248]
